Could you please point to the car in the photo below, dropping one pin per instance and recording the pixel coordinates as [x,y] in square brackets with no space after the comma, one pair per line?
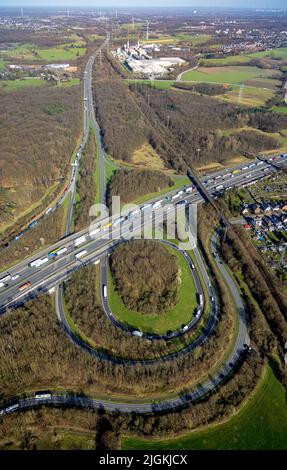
[231,364]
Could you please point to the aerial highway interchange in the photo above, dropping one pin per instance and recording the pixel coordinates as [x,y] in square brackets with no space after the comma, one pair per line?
[47,269]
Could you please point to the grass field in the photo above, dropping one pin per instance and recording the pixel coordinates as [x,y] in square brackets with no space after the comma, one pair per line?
[110,169]
[14,85]
[280,109]
[182,313]
[234,75]
[31,52]
[247,96]
[181,37]
[2,64]
[260,424]
[65,440]
[278,54]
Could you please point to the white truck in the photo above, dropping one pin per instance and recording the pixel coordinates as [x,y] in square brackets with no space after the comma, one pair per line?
[157,204]
[189,189]
[137,333]
[81,254]
[94,232]
[4,280]
[80,240]
[105,293]
[38,262]
[147,206]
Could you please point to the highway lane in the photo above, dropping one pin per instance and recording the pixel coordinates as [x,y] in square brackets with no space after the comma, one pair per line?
[237,180]
[25,272]
[76,400]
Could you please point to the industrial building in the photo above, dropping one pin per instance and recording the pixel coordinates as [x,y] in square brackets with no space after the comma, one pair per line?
[138,59]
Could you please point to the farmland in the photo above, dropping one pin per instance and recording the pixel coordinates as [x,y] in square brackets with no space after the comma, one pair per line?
[14,85]
[260,424]
[33,53]
[234,75]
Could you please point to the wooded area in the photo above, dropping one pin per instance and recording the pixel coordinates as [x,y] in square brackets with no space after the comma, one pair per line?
[177,124]
[86,184]
[39,144]
[146,275]
[131,184]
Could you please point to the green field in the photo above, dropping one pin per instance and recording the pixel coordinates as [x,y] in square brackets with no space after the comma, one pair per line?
[31,52]
[280,109]
[72,82]
[171,320]
[60,53]
[110,169]
[2,64]
[234,75]
[278,54]
[229,60]
[195,39]
[260,424]
[14,85]
[247,96]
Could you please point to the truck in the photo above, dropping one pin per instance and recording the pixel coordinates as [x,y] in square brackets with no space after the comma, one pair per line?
[94,232]
[57,252]
[137,333]
[105,294]
[147,206]
[32,224]
[38,262]
[189,189]
[81,254]
[24,286]
[184,201]
[41,396]
[156,205]
[234,172]
[200,299]
[11,408]
[80,240]
[118,221]
[5,279]
[219,187]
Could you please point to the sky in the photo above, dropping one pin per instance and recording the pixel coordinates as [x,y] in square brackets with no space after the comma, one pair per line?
[148,3]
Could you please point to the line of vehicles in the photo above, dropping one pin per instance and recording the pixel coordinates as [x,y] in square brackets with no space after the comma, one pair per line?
[15,406]
[234,172]
[37,263]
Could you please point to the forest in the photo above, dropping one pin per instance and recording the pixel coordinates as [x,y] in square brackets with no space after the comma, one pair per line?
[86,187]
[177,124]
[146,276]
[131,184]
[211,89]
[38,142]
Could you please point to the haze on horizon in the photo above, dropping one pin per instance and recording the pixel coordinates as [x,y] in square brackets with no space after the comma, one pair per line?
[280,4]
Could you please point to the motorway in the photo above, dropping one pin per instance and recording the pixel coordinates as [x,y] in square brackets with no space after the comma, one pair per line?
[55,270]
[55,398]
[92,244]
